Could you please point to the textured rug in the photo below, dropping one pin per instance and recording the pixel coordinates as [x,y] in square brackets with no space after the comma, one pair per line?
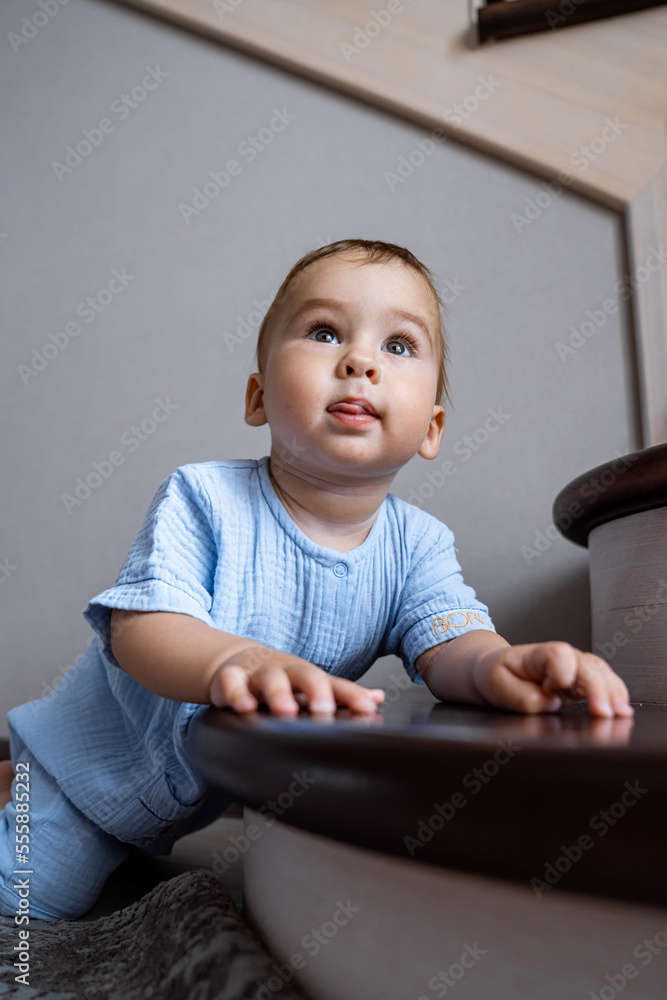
[184,940]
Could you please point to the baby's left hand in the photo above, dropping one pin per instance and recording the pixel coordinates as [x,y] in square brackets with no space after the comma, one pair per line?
[545,676]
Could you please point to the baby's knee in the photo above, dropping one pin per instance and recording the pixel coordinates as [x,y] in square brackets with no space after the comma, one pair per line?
[54,860]
[16,902]
[59,892]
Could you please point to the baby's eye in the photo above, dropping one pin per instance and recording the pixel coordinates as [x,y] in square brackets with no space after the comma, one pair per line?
[402,342]
[315,335]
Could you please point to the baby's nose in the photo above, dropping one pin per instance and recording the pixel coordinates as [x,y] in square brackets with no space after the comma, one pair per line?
[369,371]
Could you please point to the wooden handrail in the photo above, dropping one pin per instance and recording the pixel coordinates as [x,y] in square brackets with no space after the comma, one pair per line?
[626,485]
[506,18]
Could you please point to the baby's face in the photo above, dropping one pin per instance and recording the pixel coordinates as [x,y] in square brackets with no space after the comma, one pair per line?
[351,331]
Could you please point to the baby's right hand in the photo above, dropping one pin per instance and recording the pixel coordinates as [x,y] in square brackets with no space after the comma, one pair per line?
[260,674]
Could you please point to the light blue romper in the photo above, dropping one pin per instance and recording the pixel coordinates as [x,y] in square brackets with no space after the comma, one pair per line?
[109,770]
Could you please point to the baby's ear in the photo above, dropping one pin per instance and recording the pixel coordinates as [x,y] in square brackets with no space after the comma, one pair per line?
[254,401]
[431,443]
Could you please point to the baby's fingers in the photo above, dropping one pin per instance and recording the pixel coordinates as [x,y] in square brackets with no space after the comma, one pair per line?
[323,693]
[230,688]
[273,685]
[283,689]
[606,693]
[357,698]
[504,689]
[314,689]
[243,693]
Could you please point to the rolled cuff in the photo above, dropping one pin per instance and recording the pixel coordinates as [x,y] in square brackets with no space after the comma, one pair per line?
[437,628]
[148,595]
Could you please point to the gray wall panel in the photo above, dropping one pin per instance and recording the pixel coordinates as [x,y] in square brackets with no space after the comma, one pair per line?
[322,178]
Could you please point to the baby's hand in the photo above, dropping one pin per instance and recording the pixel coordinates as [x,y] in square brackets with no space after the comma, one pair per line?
[545,676]
[260,674]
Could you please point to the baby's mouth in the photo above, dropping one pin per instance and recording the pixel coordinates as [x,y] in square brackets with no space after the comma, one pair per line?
[354,407]
[349,408]
[357,414]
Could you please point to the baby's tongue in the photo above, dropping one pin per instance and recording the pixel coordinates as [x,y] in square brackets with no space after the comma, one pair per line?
[348,407]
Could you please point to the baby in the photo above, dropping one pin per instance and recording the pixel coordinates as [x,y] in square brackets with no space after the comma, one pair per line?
[272,582]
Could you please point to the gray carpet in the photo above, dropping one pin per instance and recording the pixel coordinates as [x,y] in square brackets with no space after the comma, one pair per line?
[184,940]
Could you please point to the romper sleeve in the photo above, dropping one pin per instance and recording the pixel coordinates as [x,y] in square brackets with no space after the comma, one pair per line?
[435,604]
[171,563]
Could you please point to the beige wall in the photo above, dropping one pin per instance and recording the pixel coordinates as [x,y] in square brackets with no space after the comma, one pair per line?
[162,336]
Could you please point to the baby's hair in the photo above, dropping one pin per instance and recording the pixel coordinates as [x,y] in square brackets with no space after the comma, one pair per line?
[374,250]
